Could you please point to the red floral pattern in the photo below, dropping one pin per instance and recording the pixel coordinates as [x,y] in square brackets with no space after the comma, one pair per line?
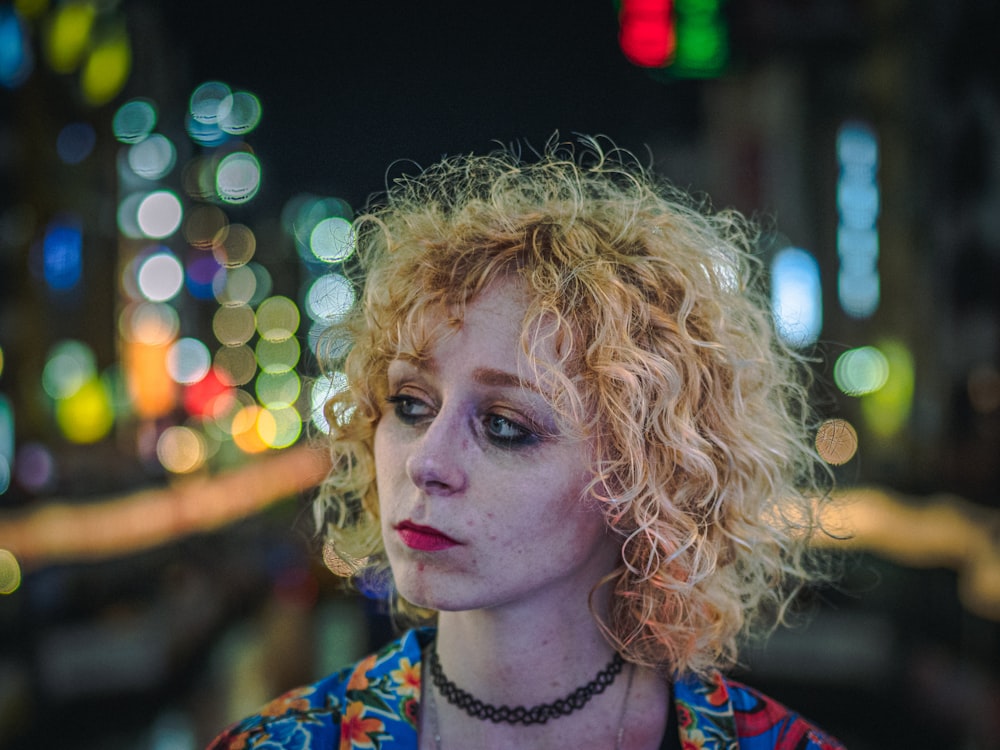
[375,705]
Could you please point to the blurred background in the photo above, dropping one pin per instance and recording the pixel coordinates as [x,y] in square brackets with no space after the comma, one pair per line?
[177,185]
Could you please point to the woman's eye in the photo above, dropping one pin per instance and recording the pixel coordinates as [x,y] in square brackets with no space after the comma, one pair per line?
[508,432]
[409,409]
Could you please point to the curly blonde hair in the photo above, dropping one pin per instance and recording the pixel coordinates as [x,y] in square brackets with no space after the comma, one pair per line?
[669,364]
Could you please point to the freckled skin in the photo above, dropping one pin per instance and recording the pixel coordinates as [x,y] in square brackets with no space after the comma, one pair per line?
[518,510]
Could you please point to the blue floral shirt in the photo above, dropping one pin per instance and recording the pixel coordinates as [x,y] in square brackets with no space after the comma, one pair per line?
[375,704]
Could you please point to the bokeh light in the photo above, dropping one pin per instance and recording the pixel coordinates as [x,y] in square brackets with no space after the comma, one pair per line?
[200,274]
[160,276]
[233,325]
[68,366]
[107,67]
[17,59]
[198,178]
[203,224]
[68,34]
[323,389]
[796,296]
[250,425]
[239,113]
[236,365]
[887,410]
[62,254]
[35,468]
[6,442]
[277,318]
[149,323]
[181,450]
[5,474]
[153,157]
[206,134]
[159,214]
[75,142]
[329,298]
[278,356]
[858,202]
[836,441]
[10,572]
[304,212]
[206,100]
[87,415]
[278,390]
[128,215]
[188,361]
[282,429]
[134,121]
[263,283]
[200,398]
[148,329]
[234,245]
[234,286]
[860,371]
[238,177]
[332,240]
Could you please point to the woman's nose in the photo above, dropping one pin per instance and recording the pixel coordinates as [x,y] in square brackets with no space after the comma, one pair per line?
[436,463]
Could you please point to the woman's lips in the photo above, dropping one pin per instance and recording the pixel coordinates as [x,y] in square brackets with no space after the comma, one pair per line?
[423,538]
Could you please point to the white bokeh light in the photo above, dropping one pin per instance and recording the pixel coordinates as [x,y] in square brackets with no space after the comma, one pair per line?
[329,298]
[160,214]
[237,179]
[188,361]
[160,277]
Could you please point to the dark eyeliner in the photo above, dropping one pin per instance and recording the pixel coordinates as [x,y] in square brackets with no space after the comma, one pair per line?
[526,437]
[401,403]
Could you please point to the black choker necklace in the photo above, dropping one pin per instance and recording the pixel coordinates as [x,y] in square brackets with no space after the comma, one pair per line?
[521,714]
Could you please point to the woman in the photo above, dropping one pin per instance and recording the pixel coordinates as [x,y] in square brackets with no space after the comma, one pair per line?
[574,439]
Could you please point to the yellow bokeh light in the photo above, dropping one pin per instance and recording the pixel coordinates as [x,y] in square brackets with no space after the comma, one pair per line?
[282,429]
[278,390]
[181,450]
[10,572]
[233,325]
[203,224]
[69,34]
[87,415]
[250,426]
[31,9]
[235,365]
[226,407]
[149,323]
[107,69]
[278,356]
[888,409]
[234,245]
[278,318]
[1,360]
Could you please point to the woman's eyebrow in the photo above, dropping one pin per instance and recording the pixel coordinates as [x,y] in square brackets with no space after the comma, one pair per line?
[503,379]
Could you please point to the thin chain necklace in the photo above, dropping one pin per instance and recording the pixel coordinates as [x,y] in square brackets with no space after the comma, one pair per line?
[619,734]
[538,714]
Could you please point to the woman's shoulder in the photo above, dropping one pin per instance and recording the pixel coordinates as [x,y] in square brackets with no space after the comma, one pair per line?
[716,707]
[376,697]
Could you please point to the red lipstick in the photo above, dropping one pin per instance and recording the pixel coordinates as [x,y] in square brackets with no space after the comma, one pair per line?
[423,538]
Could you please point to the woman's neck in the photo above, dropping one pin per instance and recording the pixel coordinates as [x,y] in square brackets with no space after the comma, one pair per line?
[533,657]
[521,656]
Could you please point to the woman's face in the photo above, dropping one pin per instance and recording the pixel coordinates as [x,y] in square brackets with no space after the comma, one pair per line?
[482,499]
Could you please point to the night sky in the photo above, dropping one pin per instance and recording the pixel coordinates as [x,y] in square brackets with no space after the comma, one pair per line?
[348,88]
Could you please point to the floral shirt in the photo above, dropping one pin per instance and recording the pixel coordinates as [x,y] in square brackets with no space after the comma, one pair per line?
[375,705]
